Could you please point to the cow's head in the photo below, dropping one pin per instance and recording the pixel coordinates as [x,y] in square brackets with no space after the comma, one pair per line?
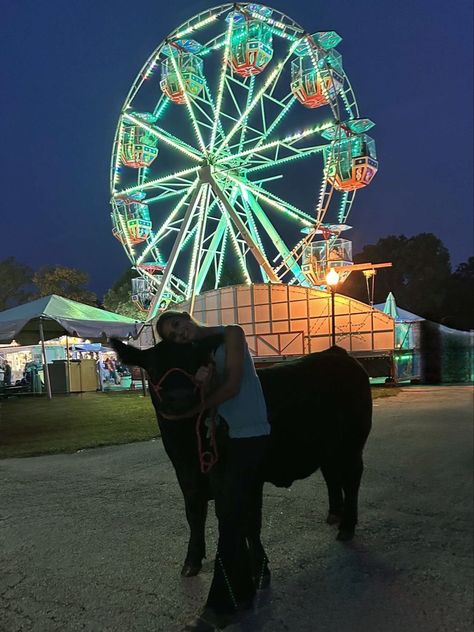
[172,387]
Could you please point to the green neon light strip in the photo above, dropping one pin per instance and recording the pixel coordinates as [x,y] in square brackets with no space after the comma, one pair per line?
[200,240]
[152,183]
[220,266]
[244,123]
[280,161]
[165,137]
[116,168]
[220,89]
[168,221]
[252,227]
[235,243]
[211,253]
[257,98]
[175,250]
[274,236]
[277,202]
[291,138]
[201,212]
[188,105]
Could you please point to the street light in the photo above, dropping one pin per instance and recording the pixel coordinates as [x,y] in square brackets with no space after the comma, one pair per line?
[332,279]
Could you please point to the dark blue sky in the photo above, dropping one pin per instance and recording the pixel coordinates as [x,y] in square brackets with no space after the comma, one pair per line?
[66,68]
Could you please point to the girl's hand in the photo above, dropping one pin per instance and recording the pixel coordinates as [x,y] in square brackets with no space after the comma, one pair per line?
[204,374]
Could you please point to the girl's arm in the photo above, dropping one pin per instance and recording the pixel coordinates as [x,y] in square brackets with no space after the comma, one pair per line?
[234,365]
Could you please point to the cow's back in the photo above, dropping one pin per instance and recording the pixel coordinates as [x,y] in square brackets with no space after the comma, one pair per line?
[320,408]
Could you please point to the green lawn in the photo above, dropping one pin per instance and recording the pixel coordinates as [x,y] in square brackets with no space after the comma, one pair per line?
[33,425]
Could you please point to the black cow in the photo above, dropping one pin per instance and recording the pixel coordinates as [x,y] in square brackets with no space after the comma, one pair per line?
[320,410]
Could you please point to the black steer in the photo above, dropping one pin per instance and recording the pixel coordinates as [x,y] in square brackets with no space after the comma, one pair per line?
[320,410]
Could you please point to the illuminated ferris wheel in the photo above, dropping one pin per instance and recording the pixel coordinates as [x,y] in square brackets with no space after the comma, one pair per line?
[239,142]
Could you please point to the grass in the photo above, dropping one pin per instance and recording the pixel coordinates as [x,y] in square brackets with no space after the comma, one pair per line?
[34,425]
[30,426]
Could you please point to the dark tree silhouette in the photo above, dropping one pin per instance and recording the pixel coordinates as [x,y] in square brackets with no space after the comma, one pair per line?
[63,281]
[15,277]
[419,277]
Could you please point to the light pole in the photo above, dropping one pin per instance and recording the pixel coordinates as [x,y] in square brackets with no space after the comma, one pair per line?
[332,279]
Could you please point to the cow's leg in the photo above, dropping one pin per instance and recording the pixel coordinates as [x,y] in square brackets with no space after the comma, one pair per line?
[332,475]
[351,476]
[196,512]
[179,441]
[196,493]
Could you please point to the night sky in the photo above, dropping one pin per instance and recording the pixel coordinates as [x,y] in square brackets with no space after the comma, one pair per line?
[66,67]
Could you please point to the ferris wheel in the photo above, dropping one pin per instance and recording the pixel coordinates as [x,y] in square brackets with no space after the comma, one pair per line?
[240,141]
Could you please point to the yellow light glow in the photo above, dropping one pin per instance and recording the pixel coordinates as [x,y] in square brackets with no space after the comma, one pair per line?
[332,278]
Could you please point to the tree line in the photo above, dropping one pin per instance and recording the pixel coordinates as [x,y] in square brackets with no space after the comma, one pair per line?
[421,279]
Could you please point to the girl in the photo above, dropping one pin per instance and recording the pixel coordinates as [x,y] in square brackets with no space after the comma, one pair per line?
[241,564]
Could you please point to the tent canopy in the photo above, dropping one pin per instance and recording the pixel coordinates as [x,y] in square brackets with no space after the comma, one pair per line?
[391,308]
[61,316]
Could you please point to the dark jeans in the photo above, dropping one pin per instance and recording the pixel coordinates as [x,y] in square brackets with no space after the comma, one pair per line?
[237,483]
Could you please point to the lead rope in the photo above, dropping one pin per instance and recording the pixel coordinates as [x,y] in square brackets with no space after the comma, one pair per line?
[207,458]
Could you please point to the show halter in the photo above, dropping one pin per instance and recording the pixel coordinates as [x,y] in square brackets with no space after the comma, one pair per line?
[207,458]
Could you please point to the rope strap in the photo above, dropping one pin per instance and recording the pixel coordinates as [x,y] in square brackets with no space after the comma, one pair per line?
[207,458]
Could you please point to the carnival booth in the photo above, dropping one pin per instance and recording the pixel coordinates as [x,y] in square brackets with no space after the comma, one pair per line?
[53,316]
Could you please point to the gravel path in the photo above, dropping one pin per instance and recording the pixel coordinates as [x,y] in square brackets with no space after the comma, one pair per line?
[94,541]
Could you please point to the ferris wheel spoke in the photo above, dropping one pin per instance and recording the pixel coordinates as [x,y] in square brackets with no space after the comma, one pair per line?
[244,196]
[175,251]
[276,161]
[217,237]
[273,125]
[277,202]
[189,107]
[165,226]
[154,184]
[198,246]
[211,252]
[276,239]
[272,76]
[166,137]
[236,219]
[220,88]
[290,139]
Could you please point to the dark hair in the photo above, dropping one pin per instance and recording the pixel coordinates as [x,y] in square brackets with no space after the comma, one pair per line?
[170,313]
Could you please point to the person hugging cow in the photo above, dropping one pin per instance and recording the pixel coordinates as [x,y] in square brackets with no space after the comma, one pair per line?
[236,479]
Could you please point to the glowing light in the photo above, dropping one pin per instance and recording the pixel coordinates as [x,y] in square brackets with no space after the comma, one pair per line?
[332,278]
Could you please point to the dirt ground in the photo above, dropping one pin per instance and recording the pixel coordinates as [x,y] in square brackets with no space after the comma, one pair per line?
[94,541]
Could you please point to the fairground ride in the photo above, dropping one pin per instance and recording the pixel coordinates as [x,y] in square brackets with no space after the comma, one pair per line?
[215,162]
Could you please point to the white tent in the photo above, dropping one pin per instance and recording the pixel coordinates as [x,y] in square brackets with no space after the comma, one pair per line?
[54,316]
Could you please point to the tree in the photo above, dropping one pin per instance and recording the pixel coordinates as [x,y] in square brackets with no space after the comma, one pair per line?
[419,276]
[63,281]
[14,279]
[458,307]
[119,298]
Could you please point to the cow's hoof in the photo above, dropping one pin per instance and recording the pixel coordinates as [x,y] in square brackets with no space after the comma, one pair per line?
[344,535]
[333,518]
[190,570]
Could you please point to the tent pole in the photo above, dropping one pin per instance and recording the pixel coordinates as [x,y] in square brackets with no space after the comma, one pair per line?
[45,361]
[68,366]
